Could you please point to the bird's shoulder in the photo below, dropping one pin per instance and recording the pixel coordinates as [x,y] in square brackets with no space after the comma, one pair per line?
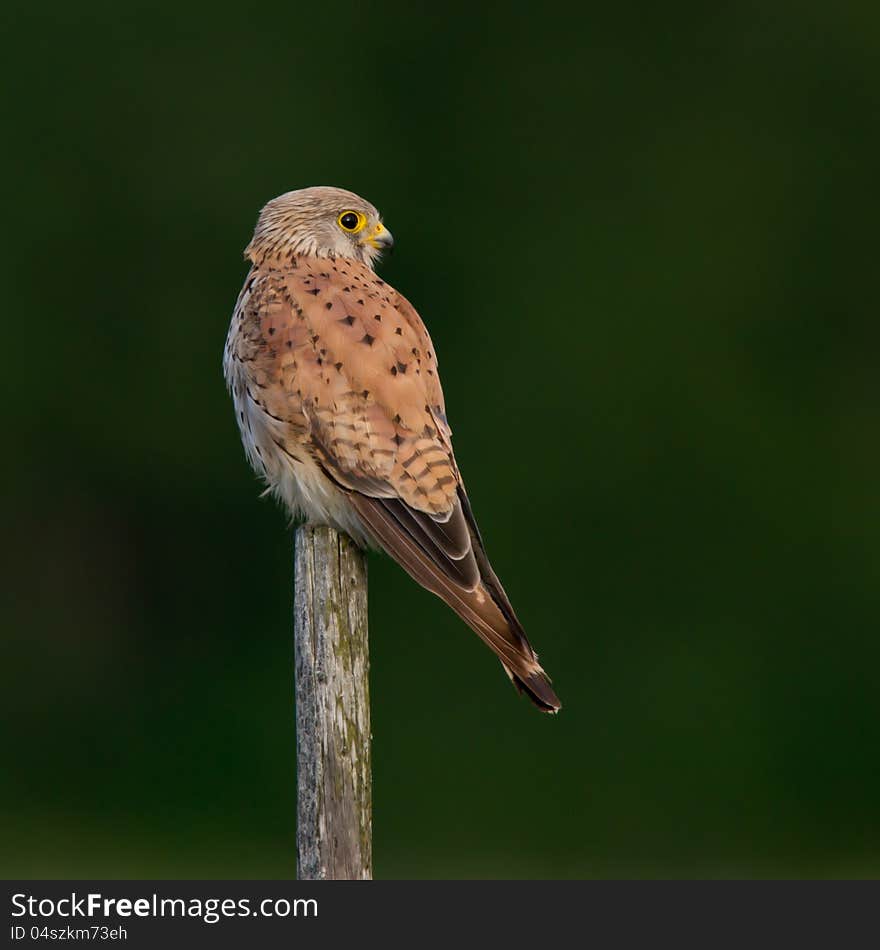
[349,348]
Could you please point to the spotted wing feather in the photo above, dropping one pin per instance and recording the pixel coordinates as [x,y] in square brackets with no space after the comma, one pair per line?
[358,375]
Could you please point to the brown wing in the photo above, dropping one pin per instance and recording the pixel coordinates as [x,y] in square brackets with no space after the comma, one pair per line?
[360,360]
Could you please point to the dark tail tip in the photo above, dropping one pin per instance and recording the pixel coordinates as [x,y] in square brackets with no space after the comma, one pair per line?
[537,687]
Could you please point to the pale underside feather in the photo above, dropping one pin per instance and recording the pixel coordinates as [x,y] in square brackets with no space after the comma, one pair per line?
[338,399]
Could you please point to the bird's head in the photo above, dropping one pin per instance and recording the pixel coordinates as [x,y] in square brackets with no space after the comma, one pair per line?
[325,222]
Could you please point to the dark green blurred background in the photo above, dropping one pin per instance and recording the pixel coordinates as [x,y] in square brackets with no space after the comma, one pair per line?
[644,239]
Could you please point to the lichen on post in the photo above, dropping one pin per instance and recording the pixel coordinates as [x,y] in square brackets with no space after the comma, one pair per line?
[334,783]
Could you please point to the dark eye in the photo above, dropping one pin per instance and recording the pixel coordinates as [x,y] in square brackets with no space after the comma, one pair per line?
[351,221]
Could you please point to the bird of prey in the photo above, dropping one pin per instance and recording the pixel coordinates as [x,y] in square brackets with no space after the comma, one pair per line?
[336,392]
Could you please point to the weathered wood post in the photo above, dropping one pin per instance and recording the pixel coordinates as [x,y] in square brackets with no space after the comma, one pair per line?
[334,781]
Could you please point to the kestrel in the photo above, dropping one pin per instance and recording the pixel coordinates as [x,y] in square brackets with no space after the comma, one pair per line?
[336,392]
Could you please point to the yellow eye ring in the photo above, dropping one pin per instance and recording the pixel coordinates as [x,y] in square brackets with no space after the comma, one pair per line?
[351,221]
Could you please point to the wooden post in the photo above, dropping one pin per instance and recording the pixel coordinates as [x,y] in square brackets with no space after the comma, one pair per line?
[334,781]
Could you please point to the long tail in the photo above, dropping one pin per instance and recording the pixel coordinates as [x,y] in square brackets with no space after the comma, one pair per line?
[448,558]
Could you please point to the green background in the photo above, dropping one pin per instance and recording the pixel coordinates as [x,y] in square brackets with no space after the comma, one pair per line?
[644,239]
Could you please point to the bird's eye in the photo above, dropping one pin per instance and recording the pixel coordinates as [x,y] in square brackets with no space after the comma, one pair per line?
[351,221]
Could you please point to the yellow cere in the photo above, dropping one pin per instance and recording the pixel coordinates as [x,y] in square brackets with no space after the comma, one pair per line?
[371,237]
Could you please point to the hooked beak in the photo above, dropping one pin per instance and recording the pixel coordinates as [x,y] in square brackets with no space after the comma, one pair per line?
[379,238]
